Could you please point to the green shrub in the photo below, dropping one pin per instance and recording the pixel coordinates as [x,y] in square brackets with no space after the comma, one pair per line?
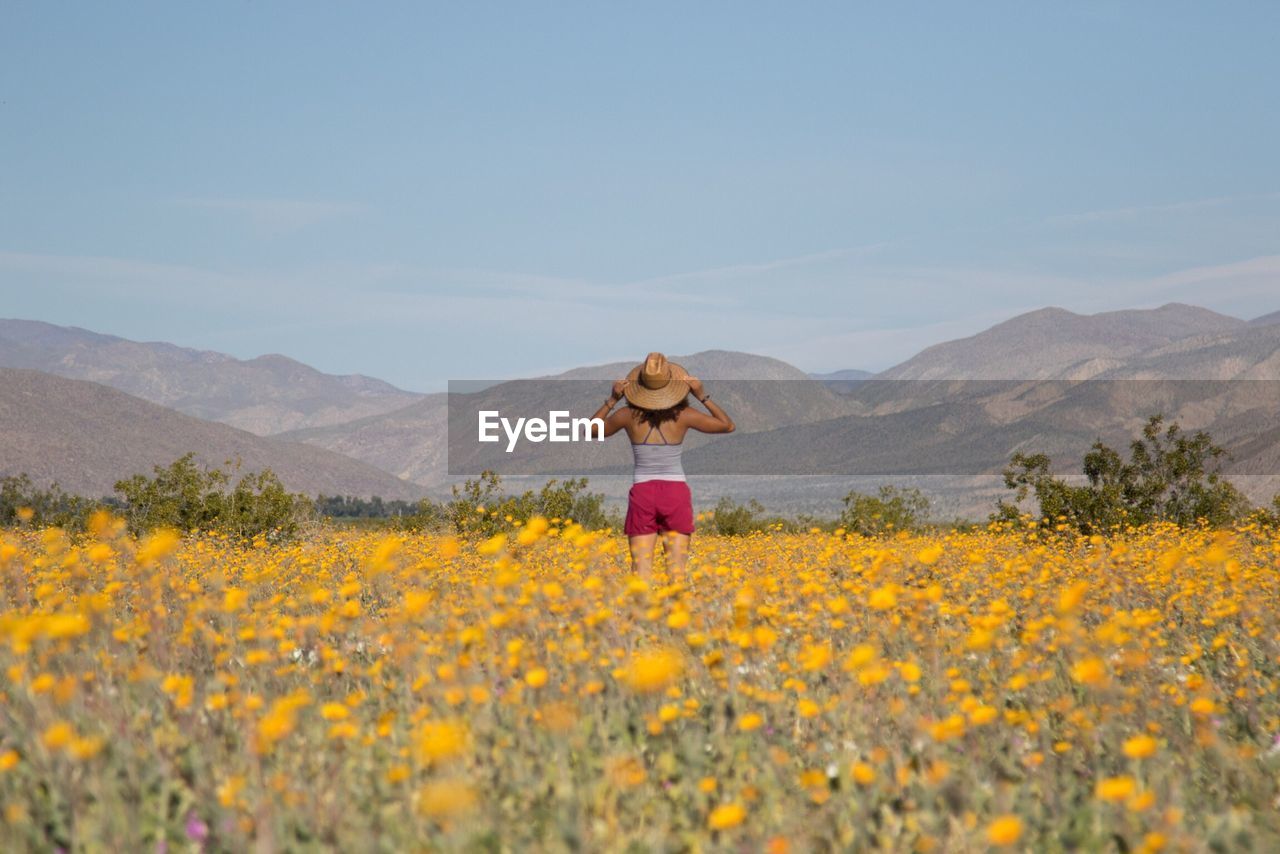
[480,507]
[890,510]
[1170,476]
[187,497]
[427,515]
[1267,517]
[22,502]
[732,519]
[351,511]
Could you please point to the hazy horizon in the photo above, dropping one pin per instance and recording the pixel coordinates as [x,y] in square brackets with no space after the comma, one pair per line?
[515,374]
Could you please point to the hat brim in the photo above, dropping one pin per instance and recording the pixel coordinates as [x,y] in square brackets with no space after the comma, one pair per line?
[656,398]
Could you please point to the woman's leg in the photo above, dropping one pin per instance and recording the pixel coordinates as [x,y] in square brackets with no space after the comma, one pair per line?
[642,553]
[676,547]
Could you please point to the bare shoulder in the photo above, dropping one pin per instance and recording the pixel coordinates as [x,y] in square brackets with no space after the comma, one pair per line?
[696,419]
[618,420]
[626,418]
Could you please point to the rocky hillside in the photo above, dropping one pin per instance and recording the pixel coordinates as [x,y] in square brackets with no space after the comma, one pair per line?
[1056,343]
[266,395]
[86,436]
[761,393]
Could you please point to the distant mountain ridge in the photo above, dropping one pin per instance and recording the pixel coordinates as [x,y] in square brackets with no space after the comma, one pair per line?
[1266,320]
[411,442]
[266,395]
[924,413]
[843,381]
[86,436]
[1053,343]
[846,375]
[886,421]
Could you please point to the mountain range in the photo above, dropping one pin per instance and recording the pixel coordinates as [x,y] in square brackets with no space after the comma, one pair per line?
[86,436]
[410,442]
[266,395]
[1053,343]
[961,405]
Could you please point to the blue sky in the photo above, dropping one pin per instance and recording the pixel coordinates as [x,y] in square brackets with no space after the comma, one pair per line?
[424,192]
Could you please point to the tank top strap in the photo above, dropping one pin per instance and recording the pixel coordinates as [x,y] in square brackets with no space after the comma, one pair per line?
[661,435]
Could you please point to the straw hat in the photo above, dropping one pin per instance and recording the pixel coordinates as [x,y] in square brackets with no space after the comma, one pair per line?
[656,383]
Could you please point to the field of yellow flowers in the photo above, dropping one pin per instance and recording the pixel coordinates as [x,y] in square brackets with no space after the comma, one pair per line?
[357,691]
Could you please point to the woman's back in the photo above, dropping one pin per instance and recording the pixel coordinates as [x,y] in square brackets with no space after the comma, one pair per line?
[656,456]
[647,428]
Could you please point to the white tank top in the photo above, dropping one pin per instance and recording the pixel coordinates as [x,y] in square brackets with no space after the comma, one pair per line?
[659,461]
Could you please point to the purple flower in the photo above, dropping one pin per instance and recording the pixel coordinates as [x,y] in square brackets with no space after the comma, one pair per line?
[197,830]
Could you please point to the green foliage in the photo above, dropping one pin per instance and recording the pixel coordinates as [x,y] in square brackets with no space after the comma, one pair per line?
[352,507]
[424,515]
[1268,517]
[22,502]
[734,520]
[480,507]
[187,497]
[427,515]
[1170,476]
[260,505]
[183,496]
[890,510]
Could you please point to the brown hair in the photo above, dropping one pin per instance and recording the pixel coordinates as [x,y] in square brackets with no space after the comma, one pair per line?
[655,417]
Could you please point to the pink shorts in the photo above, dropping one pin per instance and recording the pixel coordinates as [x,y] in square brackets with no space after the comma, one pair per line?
[655,506]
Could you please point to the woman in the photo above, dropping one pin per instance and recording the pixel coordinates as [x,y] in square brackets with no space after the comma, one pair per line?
[656,419]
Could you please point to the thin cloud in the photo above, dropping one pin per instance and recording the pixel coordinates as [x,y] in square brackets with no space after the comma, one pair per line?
[276,215]
[1266,265]
[137,272]
[533,285]
[1108,214]
[866,317]
[737,271]
[672,286]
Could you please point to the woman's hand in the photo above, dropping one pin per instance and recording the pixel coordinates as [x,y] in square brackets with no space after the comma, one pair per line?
[617,420]
[714,420]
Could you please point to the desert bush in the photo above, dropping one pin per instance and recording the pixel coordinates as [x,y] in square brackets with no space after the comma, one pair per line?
[1170,476]
[1269,516]
[427,515]
[187,497]
[354,507]
[480,507]
[891,510]
[732,518]
[423,515]
[22,502]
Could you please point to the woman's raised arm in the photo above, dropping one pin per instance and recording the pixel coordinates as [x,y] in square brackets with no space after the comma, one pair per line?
[616,421]
[718,421]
